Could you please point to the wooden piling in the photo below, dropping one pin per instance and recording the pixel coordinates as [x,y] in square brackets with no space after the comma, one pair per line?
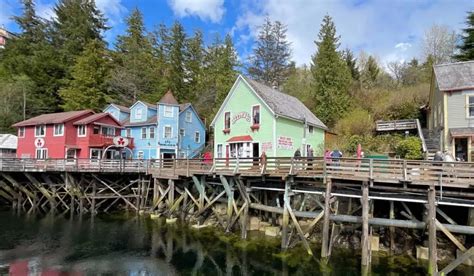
[286,216]
[392,229]
[327,213]
[94,193]
[433,268]
[365,226]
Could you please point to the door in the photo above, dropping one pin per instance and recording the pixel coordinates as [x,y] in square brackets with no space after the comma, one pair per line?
[460,149]
[168,159]
[255,153]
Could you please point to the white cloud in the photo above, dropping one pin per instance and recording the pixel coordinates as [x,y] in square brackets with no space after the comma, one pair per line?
[45,10]
[6,12]
[212,10]
[373,26]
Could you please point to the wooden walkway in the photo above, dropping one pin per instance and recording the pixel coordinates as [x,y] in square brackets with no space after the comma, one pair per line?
[395,171]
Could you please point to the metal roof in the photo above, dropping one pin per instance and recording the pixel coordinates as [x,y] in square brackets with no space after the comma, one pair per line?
[152,120]
[53,118]
[455,76]
[8,141]
[283,104]
[95,117]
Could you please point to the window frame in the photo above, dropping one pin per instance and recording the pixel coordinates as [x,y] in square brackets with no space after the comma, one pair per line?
[43,126]
[219,152]
[197,135]
[164,132]
[140,155]
[183,132]
[225,119]
[151,134]
[55,127]
[469,105]
[79,127]
[259,114]
[143,133]
[168,109]
[98,156]
[310,129]
[138,115]
[44,154]
[21,132]
[189,116]
[128,132]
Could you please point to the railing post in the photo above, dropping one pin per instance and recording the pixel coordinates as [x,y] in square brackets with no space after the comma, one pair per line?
[371,169]
[405,171]
[292,165]
[174,166]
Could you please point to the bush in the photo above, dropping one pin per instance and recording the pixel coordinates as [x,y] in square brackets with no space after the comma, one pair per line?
[409,148]
[356,122]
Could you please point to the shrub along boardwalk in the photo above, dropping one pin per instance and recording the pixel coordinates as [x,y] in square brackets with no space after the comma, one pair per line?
[295,190]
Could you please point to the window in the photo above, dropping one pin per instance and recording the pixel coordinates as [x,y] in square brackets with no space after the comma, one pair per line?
[58,129]
[168,111]
[227,120]
[189,116]
[182,132]
[143,132]
[96,130]
[81,130]
[40,131]
[138,113]
[197,137]
[71,154]
[41,153]
[256,114]
[129,132]
[108,131]
[96,153]
[151,134]
[219,151]
[141,155]
[310,129]
[167,132]
[471,106]
[21,132]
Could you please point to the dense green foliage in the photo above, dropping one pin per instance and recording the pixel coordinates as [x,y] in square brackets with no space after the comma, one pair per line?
[466,48]
[409,148]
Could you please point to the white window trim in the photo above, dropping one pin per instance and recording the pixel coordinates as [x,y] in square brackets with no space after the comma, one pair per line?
[164,132]
[95,149]
[184,132]
[21,130]
[54,130]
[135,116]
[149,132]
[190,116]
[143,132]
[165,111]
[230,119]
[44,131]
[85,131]
[217,150]
[259,114]
[467,107]
[142,153]
[41,149]
[128,132]
[198,136]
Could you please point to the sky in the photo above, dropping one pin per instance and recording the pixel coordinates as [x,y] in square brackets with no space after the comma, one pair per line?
[391,30]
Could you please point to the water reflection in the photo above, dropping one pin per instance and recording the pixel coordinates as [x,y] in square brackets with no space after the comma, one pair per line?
[32,244]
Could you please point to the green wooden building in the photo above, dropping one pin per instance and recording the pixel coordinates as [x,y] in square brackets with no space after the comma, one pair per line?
[255,118]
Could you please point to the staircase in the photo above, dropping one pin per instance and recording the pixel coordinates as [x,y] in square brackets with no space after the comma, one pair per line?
[432,143]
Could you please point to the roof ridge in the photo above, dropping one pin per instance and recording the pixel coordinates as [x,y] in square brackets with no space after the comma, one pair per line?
[453,63]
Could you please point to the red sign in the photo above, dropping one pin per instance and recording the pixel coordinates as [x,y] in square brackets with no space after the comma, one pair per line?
[120,141]
[285,142]
[241,115]
[39,142]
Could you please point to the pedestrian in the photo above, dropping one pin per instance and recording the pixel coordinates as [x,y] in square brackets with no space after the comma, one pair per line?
[327,155]
[297,158]
[263,161]
[207,160]
[310,158]
[336,155]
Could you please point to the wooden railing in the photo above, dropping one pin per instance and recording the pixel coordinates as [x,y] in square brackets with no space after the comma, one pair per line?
[453,174]
[396,125]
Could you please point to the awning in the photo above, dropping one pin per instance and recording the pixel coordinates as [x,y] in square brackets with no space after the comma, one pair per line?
[243,138]
[461,132]
[73,147]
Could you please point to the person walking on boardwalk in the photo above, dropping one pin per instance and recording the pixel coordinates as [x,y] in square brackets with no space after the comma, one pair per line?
[297,158]
[263,161]
[310,158]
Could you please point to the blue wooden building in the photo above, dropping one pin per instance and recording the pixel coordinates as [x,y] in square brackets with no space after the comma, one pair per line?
[164,130]
[119,112]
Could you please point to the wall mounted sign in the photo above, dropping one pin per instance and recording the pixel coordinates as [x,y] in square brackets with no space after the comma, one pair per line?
[267,146]
[241,115]
[285,143]
[39,142]
[120,141]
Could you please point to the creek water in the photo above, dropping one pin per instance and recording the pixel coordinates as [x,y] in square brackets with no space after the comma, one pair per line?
[121,244]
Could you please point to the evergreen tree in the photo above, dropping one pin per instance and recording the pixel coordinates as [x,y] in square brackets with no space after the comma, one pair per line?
[370,72]
[331,76]
[176,73]
[77,23]
[466,49]
[134,74]
[194,60]
[351,62]
[87,88]
[270,62]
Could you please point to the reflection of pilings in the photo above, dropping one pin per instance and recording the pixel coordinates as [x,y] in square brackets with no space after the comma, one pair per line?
[460,229]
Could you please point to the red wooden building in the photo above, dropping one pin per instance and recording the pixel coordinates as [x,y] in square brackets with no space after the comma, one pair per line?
[73,134]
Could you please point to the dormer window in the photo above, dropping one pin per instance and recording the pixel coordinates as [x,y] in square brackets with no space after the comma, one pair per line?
[138,113]
[189,116]
[168,111]
[226,122]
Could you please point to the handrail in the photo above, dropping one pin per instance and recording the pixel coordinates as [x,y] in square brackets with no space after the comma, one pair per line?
[420,134]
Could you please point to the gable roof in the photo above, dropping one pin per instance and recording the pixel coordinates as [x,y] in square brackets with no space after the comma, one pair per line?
[454,76]
[183,107]
[168,98]
[279,103]
[95,117]
[53,118]
[120,107]
[149,105]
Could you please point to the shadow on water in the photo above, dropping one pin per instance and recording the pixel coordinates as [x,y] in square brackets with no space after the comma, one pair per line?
[121,244]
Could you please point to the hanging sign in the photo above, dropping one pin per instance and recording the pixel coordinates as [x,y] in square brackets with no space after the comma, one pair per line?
[120,141]
[39,142]
[285,142]
[241,115]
